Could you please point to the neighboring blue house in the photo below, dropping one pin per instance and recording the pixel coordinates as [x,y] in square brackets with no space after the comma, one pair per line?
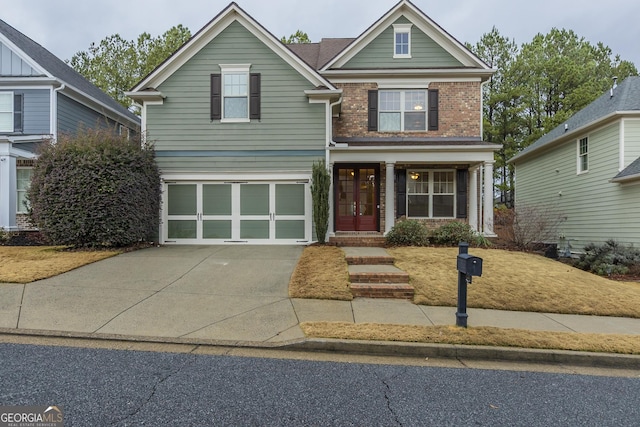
[41,97]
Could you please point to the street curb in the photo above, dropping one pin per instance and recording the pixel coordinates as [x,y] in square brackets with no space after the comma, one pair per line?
[455,351]
[377,348]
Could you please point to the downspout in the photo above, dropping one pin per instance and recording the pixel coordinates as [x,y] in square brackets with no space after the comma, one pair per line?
[54,111]
[330,129]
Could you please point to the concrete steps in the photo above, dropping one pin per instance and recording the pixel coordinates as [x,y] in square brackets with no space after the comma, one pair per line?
[357,239]
[373,275]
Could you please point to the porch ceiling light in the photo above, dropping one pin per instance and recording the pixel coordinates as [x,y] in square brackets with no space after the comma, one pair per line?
[417,107]
[415,175]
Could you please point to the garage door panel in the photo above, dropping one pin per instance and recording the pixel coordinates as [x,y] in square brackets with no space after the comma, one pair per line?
[290,229]
[255,229]
[183,229]
[182,199]
[216,199]
[290,199]
[216,229]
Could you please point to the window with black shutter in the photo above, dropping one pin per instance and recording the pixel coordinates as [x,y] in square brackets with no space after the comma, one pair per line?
[216,96]
[254,101]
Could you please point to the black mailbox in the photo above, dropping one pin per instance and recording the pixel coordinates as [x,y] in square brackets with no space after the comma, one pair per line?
[469,265]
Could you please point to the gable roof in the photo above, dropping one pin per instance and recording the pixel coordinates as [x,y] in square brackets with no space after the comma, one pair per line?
[230,14]
[420,20]
[53,67]
[624,99]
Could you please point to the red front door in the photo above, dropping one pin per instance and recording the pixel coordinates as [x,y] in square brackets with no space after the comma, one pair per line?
[357,198]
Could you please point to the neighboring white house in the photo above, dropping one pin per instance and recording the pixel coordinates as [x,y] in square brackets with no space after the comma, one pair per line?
[588,170]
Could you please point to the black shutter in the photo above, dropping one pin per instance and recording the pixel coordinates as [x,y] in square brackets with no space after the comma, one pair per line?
[216,96]
[373,110]
[254,98]
[462,179]
[18,109]
[401,193]
[433,109]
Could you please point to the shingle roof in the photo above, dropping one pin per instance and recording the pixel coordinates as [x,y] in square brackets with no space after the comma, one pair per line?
[60,70]
[317,55]
[632,170]
[626,97]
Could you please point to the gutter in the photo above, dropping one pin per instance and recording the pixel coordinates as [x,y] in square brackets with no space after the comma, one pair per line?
[54,110]
[330,141]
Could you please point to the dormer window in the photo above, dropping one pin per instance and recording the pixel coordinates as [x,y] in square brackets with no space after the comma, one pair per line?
[402,40]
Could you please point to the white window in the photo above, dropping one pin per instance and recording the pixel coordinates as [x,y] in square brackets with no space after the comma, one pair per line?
[402,40]
[430,194]
[6,111]
[23,180]
[402,110]
[583,155]
[235,93]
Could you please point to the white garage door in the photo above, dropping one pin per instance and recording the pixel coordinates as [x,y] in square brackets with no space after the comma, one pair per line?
[227,212]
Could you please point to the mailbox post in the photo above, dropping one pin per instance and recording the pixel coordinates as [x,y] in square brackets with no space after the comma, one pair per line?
[468,266]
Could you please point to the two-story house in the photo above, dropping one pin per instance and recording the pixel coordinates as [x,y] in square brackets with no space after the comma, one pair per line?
[587,171]
[41,98]
[238,119]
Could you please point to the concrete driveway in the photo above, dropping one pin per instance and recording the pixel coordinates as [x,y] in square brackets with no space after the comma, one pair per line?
[237,293]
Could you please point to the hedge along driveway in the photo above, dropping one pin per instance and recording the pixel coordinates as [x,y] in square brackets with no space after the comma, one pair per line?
[516,281]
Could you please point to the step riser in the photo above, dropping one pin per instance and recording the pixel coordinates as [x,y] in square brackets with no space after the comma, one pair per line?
[398,291]
[378,277]
[370,242]
[369,260]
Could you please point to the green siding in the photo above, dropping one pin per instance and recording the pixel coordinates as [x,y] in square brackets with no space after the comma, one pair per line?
[631,141]
[596,209]
[425,53]
[288,121]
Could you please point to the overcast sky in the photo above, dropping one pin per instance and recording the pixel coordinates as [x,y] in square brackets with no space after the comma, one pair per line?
[65,27]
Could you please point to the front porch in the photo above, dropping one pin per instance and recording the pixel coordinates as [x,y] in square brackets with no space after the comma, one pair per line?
[389,184]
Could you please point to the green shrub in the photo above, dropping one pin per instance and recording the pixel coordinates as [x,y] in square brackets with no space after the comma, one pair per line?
[320,185]
[95,189]
[409,232]
[608,258]
[455,232]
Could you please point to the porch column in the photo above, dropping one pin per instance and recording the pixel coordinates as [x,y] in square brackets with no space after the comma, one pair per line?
[389,201]
[473,198]
[8,186]
[487,214]
[331,227]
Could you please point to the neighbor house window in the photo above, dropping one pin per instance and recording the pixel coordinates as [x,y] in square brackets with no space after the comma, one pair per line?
[6,111]
[583,155]
[23,180]
[402,41]
[430,194]
[402,110]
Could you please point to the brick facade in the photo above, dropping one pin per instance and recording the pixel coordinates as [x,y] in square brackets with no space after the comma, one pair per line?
[459,111]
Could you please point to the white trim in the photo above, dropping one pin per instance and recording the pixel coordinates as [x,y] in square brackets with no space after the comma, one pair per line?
[422,22]
[235,69]
[621,136]
[431,192]
[9,94]
[579,170]
[26,58]
[411,155]
[402,29]
[442,72]
[210,31]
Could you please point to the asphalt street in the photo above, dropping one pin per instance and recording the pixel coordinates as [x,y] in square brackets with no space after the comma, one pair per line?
[124,388]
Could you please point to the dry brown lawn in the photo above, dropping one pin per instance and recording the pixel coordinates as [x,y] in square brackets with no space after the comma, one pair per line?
[321,273]
[24,264]
[624,344]
[516,281]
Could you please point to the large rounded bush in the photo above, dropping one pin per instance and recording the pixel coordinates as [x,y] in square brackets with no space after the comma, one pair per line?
[455,232]
[409,232]
[95,189]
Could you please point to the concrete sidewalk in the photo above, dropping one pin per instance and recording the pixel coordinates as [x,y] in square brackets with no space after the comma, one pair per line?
[227,294]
